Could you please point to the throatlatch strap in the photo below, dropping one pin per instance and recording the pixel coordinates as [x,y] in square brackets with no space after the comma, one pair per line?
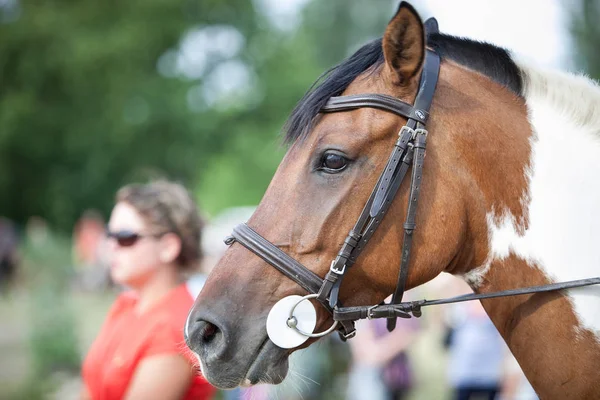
[410,224]
[427,86]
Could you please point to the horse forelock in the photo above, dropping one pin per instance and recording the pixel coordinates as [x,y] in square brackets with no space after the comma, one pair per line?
[487,59]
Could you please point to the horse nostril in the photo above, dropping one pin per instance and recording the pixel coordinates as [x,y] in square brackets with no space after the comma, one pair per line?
[207,331]
[207,339]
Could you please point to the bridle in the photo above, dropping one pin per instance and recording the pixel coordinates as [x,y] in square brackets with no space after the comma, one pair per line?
[408,150]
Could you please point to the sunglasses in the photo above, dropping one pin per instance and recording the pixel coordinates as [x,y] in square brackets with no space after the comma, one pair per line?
[126,238]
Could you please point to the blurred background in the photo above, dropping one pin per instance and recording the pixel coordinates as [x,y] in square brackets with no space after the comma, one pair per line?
[97,94]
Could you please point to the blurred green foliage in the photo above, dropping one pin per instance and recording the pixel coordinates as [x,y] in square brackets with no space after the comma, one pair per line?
[53,335]
[52,340]
[94,95]
[586,36]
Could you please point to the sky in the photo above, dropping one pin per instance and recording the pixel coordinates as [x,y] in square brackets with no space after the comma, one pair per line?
[534,29]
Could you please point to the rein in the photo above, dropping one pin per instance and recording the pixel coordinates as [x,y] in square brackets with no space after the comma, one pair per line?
[409,150]
[311,282]
[413,308]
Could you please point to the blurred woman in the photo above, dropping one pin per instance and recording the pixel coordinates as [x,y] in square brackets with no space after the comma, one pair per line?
[154,237]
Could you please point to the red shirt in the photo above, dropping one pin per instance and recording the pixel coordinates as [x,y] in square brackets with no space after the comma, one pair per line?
[126,338]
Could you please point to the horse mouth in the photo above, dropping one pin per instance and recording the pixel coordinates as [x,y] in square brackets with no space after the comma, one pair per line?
[270,365]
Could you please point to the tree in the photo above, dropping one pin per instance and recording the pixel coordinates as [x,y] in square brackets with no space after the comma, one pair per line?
[97,94]
[83,108]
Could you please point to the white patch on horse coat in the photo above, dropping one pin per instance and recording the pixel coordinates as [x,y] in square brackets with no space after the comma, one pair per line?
[563,198]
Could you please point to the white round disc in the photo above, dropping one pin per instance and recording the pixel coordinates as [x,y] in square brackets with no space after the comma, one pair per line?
[277,328]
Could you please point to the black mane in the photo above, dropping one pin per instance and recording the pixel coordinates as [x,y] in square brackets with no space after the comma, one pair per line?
[485,58]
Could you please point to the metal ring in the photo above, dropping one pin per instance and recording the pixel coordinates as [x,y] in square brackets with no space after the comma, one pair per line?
[295,327]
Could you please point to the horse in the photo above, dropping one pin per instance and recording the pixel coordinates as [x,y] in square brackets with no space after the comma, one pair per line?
[509,198]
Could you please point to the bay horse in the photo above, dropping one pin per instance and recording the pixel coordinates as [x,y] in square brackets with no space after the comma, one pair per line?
[509,198]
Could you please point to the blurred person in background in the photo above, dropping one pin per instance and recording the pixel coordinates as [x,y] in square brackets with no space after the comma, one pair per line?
[88,233]
[476,354]
[37,232]
[89,251]
[154,237]
[9,242]
[380,367]
[480,365]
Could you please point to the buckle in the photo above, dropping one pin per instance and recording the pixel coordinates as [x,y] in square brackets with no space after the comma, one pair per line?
[349,335]
[370,311]
[407,128]
[420,131]
[337,271]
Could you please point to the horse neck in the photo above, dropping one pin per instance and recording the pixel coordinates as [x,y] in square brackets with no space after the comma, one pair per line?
[542,332]
[543,228]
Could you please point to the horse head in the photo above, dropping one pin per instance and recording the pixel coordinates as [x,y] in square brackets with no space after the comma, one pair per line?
[478,204]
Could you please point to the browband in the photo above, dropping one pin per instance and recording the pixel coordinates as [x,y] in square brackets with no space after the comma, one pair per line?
[380,101]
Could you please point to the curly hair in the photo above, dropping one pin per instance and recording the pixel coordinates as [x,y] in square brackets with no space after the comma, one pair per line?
[168,207]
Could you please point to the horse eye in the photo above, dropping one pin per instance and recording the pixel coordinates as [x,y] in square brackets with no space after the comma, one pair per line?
[333,163]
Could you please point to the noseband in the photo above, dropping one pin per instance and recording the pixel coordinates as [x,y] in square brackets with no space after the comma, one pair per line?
[408,150]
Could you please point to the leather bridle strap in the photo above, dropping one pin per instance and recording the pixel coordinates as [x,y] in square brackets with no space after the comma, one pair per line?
[379,101]
[328,289]
[423,101]
[260,246]
[412,139]
[404,310]
[408,149]
[309,281]
[285,264]
[359,236]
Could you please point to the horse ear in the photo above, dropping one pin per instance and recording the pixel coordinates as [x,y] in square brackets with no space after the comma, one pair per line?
[404,44]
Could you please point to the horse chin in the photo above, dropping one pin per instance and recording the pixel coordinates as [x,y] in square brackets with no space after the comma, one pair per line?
[269,364]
